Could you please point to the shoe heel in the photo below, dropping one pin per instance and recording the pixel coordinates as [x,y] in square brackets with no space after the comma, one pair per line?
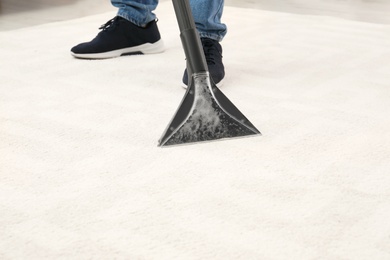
[151,48]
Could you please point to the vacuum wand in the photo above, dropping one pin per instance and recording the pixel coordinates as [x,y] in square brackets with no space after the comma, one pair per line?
[196,61]
[205,113]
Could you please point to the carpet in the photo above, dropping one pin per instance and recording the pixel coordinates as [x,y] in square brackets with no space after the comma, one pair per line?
[81,176]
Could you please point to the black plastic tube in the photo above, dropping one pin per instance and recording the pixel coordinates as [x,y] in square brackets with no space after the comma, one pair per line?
[196,62]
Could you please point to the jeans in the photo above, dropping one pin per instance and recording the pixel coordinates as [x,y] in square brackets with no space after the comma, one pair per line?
[207,15]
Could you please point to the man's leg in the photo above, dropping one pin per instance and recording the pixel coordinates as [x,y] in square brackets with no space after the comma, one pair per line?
[207,15]
[139,12]
[132,31]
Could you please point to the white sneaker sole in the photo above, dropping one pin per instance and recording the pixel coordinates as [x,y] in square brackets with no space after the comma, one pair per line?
[147,48]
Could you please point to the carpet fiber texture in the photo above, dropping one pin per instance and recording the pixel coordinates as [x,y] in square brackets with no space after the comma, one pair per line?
[81,176]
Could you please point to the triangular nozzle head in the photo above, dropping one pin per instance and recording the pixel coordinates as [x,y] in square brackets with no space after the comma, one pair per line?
[205,114]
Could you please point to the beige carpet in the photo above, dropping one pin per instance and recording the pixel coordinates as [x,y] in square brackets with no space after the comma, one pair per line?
[81,176]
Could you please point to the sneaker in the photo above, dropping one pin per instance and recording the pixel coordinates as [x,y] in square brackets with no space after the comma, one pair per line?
[121,37]
[213,53]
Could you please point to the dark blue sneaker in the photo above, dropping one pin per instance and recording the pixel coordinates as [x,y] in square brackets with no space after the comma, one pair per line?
[213,54]
[121,37]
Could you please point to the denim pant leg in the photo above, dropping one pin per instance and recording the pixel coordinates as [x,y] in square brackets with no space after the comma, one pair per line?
[207,15]
[139,12]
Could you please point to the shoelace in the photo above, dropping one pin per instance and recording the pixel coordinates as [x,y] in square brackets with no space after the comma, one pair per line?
[109,25]
[209,48]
